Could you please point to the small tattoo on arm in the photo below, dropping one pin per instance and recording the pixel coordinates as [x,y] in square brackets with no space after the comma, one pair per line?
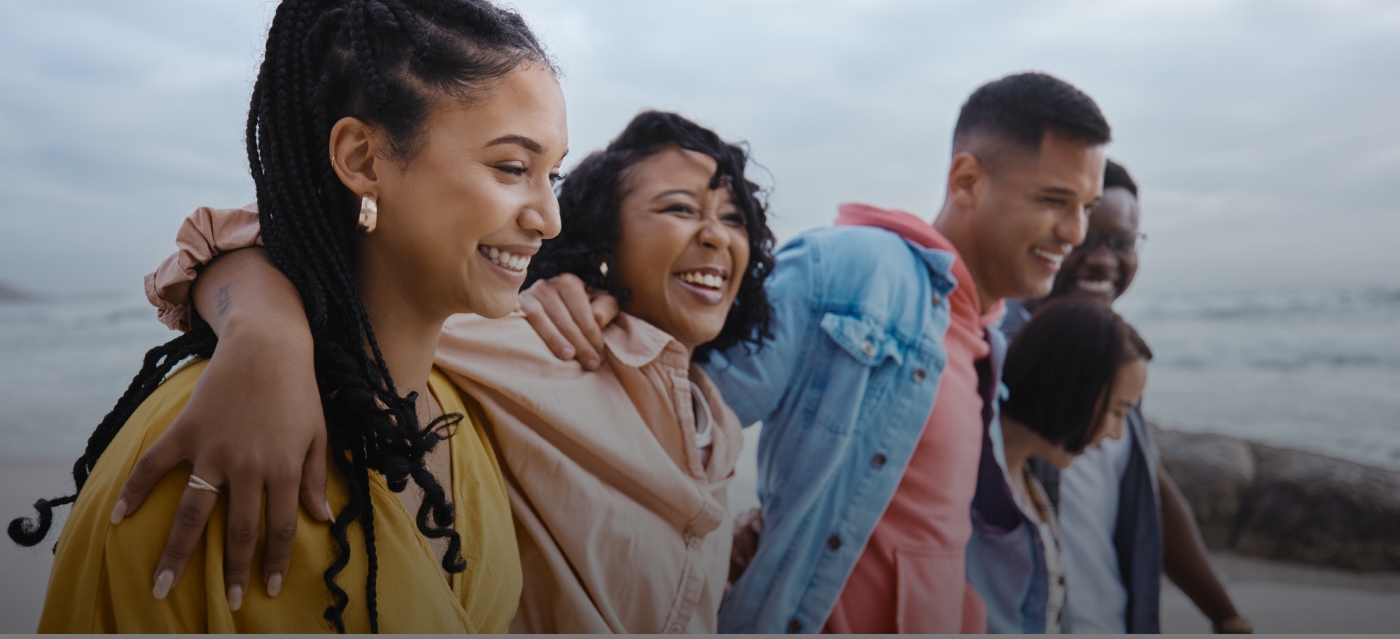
[223,299]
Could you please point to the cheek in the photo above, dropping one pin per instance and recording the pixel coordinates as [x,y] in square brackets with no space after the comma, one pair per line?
[643,257]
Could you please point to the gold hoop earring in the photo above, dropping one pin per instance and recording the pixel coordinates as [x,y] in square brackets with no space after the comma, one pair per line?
[369,215]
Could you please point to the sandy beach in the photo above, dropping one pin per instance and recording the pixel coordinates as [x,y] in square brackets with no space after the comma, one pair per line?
[1277,597]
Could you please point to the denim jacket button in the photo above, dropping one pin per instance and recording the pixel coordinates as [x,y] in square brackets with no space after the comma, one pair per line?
[834,542]
[937,299]
[919,375]
[867,348]
[878,461]
[794,626]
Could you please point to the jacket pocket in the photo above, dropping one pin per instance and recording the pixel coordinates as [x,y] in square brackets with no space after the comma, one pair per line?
[852,375]
[930,591]
[864,341]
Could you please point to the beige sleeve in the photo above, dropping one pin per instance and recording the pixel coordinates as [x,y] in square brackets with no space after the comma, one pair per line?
[205,234]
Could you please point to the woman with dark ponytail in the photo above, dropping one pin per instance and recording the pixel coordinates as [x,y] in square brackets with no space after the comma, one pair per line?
[398,148]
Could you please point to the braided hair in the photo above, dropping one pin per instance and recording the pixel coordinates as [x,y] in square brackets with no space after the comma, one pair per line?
[383,62]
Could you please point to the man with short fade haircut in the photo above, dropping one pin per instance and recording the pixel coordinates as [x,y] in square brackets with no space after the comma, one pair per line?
[865,480]
[1120,514]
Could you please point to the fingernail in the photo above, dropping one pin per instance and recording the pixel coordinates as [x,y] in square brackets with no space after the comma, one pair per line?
[235,597]
[163,582]
[329,516]
[274,584]
[119,512]
[568,353]
[591,364]
[758,525]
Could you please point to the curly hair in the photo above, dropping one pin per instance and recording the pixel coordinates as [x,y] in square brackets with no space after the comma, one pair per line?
[384,62]
[590,201]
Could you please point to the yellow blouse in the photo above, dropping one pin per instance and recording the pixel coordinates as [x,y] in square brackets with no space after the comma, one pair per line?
[102,574]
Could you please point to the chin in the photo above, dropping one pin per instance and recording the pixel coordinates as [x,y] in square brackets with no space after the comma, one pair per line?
[496,307]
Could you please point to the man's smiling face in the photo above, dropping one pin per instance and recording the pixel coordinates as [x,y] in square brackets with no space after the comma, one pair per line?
[1031,213]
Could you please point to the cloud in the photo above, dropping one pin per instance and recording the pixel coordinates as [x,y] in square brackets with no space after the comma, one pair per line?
[1263,133]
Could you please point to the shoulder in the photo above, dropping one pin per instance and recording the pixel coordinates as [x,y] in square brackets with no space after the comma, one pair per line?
[854,246]
[96,561]
[479,346]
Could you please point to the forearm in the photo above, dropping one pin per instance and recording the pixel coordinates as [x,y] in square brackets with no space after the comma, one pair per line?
[242,294]
[1184,554]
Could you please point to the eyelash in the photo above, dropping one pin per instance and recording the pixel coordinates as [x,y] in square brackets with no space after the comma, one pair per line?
[735,218]
[554,178]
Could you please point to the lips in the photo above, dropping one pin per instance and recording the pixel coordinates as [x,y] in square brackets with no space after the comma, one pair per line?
[507,260]
[706,284]
[1050,259]
[1097,287]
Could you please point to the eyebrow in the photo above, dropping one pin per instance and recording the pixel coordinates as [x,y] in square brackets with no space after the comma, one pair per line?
[530,145]
[673,192]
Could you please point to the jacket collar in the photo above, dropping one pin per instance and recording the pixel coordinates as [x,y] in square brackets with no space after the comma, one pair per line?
[936,250]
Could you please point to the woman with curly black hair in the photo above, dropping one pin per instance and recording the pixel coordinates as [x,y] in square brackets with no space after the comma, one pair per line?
[617,476]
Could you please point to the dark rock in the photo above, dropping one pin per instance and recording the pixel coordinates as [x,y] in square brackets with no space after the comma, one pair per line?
[1317,509]
[11,294]
[1214,473]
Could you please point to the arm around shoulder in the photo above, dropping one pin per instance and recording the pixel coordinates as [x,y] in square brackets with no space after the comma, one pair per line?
[754,378]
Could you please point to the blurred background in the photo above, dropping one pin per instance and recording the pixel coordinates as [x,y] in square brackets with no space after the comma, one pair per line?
[1264,137]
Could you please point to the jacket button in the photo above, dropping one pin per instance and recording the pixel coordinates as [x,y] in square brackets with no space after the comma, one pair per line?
[794,626]
[695,542]
[937,299]
[919,375]
[834,542]
[676,629]
[1062,580]
[878,460]
[867,348]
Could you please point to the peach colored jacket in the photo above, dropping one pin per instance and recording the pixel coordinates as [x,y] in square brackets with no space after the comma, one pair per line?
[619,526]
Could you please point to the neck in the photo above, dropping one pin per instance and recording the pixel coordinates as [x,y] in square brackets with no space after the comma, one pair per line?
[952,223]
[407,333]
[1020,444]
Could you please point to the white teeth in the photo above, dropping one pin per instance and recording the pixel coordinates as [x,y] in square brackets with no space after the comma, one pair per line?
[1096,286]
[703,279]
[505,260]
[1051,257]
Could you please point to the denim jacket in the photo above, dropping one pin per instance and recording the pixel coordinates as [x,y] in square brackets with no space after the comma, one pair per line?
[843,388]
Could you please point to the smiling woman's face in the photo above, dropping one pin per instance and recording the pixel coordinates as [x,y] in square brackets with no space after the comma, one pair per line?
[682,248]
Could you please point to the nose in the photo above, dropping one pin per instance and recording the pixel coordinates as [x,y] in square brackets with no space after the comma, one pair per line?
[541,214]
[1073,226]
[1101,256]
[712,234]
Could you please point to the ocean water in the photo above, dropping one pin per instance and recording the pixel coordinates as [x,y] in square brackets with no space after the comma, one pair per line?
[1316,370]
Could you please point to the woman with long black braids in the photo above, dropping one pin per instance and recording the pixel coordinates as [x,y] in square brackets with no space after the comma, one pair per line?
[399,148]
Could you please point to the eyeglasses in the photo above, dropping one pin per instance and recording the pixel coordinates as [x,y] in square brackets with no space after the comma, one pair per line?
[1124,244]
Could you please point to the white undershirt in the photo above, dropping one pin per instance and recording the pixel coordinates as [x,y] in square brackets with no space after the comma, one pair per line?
[1089,489]
[704,421]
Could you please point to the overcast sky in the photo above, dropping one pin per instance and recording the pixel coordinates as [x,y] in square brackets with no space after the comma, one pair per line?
[1263,134]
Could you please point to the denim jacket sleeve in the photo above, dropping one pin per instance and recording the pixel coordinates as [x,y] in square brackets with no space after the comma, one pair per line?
[754,379]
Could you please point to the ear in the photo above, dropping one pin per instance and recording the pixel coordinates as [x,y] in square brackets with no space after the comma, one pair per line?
[965,175]
[354,151]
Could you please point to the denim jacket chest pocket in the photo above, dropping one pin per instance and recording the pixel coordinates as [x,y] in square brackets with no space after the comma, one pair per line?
[840,390]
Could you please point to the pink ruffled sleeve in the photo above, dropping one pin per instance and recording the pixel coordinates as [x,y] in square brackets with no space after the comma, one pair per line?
[206,233]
